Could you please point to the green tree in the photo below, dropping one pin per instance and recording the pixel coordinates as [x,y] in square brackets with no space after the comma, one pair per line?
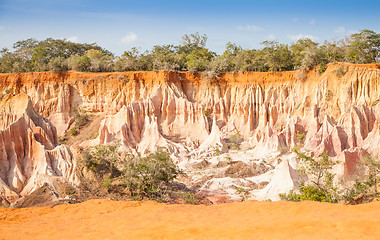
[299,50]
[277,57]
[320,185]
[364,47]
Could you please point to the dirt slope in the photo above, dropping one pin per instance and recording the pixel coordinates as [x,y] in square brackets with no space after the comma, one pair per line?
[105,219]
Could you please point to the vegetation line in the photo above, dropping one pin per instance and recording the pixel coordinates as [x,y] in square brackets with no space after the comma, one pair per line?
[190,55]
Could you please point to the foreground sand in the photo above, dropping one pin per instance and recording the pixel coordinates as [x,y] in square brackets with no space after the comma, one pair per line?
[105,219]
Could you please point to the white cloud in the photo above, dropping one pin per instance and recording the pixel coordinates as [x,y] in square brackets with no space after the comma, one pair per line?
[312,22]
[302,36]
[73,39]
[250,28]
[340,30]
[129,38]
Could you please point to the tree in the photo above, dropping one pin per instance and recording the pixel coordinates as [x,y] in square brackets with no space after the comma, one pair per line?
[364,47]
[300,48]
[191,42]
[320,185]
[277,57]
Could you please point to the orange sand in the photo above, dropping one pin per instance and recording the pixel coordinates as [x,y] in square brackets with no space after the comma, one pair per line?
[105,219]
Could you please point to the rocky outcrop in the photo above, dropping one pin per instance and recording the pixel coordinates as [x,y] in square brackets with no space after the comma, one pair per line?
[29,151]
[195,118]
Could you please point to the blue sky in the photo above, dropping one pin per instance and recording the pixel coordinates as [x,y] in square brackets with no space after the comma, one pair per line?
[119,25]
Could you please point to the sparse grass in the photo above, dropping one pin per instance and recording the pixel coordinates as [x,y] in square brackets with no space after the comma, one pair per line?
[188,197]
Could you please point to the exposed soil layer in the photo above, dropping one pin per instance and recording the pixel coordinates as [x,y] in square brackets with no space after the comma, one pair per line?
[105,219]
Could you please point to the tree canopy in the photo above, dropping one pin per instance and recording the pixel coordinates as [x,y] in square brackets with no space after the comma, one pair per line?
[191,54]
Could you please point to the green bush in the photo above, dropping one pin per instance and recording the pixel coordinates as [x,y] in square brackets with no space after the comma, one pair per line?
[310,193]
[148,176]
[144,177]
[81,117]
[321,68]
[234,141]
[320,186]
[74,131]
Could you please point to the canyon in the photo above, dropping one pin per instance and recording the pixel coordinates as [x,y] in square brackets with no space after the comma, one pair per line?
[233,131]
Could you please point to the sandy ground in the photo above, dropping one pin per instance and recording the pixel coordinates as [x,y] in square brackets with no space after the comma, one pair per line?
[105,219]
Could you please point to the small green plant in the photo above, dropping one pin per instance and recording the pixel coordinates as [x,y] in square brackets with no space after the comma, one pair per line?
[300,136]
[207,112]
[70,191]
[374,103]
[310,193]
[217,149]
[74,131]
[62,140]
[81,119]
[321,68]
[243,193]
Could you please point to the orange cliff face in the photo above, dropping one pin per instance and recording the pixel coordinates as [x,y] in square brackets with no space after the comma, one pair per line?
[29,152]
[337,111]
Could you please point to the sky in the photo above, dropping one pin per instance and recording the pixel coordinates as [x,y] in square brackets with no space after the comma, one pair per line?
[119,25]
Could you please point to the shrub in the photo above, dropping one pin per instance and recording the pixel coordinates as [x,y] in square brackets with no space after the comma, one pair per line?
[144,177]
[217,149]
[341,71]
[188,197]
[147,176]
[81,117]
[62,140]
[321,68]
[102,159]
[310,193]
[74,131]
[320,186]
[234,141]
